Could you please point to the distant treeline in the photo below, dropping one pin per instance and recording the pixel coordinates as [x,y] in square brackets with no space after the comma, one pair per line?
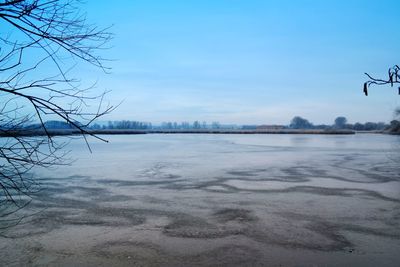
[137,125]
[296,123]
[124,124]
[340,123]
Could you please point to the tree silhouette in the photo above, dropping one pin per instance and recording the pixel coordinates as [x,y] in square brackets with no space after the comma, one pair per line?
[41,42]
[300,123]
[340,122]
[393,79]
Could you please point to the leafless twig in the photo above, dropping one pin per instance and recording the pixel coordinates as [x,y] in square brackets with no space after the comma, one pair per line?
[393,79]
[41,41]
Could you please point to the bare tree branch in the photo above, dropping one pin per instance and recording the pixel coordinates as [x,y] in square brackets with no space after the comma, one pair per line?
[393,79]
[41,42]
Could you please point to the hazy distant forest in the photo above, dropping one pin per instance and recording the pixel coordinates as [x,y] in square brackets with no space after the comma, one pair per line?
[296,123]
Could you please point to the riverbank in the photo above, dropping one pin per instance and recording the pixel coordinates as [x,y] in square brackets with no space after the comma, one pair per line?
[61,132]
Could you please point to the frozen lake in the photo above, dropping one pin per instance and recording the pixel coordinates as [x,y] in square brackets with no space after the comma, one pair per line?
[225,200]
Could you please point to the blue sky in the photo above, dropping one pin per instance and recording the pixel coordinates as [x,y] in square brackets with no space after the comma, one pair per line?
[248,61]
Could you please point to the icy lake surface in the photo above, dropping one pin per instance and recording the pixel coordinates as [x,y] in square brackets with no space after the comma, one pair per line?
[224,200]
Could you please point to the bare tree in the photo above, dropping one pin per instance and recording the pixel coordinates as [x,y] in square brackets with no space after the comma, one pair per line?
[393,79]
[42,42]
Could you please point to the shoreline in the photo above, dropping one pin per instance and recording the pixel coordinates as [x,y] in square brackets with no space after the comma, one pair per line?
[62,132]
